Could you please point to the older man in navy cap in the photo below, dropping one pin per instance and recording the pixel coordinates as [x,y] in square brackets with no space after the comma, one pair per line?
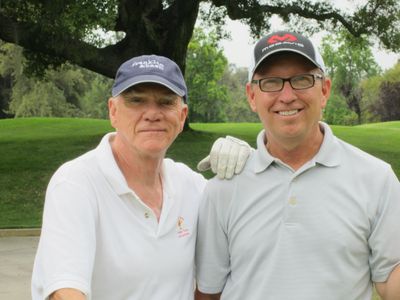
[120,221]
[310,217]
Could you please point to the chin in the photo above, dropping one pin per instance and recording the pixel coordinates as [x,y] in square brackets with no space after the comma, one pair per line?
[155,149]
[292,129]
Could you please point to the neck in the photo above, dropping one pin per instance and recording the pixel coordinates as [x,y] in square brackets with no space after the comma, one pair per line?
[142,174]
[295,153]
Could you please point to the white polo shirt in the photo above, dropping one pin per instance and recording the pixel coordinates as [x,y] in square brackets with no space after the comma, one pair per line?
[321,232]
[100,238]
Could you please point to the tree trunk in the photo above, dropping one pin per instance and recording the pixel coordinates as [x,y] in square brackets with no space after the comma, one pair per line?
[5,95]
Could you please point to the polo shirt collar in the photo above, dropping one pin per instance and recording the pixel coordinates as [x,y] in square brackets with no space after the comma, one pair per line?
[262,158]
[328,154]
[109,166]
[167,178]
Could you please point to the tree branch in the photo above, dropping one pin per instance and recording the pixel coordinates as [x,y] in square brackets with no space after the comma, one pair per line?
[30,37]
[240,9]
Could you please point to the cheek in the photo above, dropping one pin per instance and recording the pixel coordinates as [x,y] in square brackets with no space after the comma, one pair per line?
[129,120]
[262,105]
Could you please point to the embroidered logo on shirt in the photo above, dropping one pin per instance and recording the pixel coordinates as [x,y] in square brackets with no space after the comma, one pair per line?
[182,229]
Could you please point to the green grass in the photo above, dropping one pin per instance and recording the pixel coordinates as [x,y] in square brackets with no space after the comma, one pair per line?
[32,149]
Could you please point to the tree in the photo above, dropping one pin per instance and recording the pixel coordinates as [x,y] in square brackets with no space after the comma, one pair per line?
[93,103]
[44,99]
[5,91]
[68,91]
[238,109]
[338,113]
[9,68]
[57,30]
[349,60]
[205,66]
[389,101]
[372,94]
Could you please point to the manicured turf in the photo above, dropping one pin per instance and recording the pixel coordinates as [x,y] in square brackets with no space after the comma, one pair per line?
[32,149]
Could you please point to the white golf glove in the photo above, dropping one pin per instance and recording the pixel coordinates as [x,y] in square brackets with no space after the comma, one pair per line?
[227,157]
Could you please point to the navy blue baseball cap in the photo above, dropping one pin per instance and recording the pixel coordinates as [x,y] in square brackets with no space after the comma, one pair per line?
[150,68]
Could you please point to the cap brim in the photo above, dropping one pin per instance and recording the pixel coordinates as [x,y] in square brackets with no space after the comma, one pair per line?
[147,79]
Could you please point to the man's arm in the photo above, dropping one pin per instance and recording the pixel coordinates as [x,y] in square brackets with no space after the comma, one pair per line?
[388,290]
[67,294]
[200,296]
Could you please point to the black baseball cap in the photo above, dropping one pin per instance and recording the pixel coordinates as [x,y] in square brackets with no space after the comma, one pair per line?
[281,41]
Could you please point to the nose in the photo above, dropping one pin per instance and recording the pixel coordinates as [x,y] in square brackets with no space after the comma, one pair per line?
[152,112]
[287,94]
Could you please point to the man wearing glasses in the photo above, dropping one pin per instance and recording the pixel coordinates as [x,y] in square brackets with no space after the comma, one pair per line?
[310,217]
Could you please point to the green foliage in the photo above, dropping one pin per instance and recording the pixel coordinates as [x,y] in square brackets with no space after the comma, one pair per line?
[62,30]
[349,60]
[32,149]
[69,91]
[388,105]
[370,88]
[238,109]
[213,17]
[393,74]
[338,113]
[94,101]
[205,66]
[69,79]
[372,92]
[383,13]
[77,19]
[74,17]
[43,99]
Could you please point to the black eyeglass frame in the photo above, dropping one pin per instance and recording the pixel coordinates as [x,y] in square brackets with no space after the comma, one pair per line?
[314,77]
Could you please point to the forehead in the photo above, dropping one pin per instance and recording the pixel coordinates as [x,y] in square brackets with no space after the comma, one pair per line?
[285,60]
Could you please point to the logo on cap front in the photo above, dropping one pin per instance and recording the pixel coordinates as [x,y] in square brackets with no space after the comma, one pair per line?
[148,64]
[282,38]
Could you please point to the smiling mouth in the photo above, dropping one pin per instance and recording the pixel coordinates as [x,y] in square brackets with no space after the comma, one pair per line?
[288,112]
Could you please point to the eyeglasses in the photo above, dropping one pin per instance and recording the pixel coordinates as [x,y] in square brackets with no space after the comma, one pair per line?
[298,82]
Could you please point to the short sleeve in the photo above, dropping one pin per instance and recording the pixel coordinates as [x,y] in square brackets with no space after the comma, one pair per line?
[384,240]
[212,252]
[66,250]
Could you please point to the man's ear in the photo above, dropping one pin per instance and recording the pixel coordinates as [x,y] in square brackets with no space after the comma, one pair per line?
[112,111]
[251,97]
[326,91]
[183,116]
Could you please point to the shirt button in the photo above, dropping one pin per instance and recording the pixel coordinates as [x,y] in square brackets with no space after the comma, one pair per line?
[146,215]
[292,201]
